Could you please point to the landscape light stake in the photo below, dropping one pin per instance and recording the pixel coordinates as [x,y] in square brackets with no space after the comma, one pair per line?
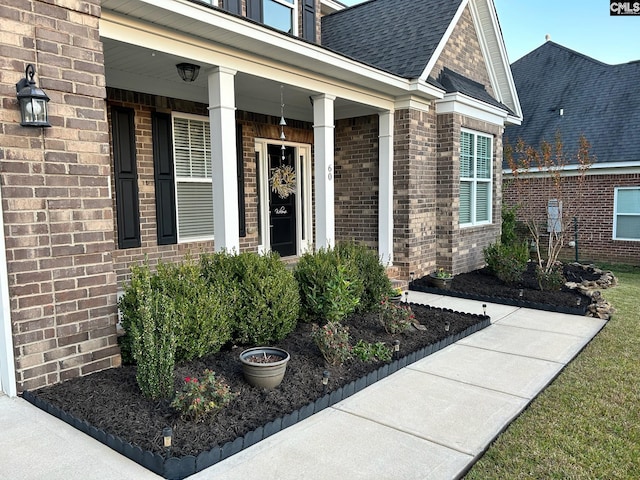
[396,349]
[446,326]
[484,309]
[521,293]
[406,296]
[325,380]
[167,434]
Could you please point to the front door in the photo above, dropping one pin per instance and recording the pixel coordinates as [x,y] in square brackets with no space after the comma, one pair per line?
[282,199]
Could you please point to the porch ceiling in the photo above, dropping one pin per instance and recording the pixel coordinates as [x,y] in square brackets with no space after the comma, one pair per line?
[139,69]
[184,31]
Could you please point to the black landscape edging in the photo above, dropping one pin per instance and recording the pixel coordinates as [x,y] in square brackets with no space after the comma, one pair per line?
[178,468]
[582,310]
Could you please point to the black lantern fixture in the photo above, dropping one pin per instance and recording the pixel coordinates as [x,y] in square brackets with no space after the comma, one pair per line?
[32,100]
[188,71]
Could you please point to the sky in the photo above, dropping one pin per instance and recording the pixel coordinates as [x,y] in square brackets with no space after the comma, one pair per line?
[581,25]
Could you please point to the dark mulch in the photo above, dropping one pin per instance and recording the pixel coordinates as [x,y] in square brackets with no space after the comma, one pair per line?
[482,283]
[110,400]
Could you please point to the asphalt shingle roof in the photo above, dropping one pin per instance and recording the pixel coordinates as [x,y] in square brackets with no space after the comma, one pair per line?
[454,82]
[598,100]
[397,36]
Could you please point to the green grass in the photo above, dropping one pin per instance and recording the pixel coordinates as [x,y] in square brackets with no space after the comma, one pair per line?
[586,424]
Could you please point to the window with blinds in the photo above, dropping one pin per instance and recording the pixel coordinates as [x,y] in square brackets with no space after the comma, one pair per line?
[194,193]
[476,155]
[626,219]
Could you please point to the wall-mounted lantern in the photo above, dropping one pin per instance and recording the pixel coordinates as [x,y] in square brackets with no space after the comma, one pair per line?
[32,100]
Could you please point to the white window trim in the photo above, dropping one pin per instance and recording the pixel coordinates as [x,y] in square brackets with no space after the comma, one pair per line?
[303,154]
[616,214]
[294,14]
[184,180]
[474,181]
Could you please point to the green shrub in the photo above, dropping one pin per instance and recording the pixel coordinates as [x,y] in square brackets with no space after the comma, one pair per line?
[330,287]
[551,280]
[370,352]
[204,308]
[333,342]
[268,301]
[395,318]
[509,226]
[202,398]
[152,336]
[507,262]
[371,274]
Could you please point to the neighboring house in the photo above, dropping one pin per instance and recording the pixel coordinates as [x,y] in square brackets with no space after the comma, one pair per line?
[394,117]
[564,91]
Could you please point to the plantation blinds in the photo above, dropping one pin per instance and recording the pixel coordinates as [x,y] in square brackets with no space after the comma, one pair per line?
[475,178]
[194,194]
[626,222]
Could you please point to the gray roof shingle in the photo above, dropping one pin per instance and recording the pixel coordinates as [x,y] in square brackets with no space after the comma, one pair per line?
[454,82]
[598,100]
[397,36]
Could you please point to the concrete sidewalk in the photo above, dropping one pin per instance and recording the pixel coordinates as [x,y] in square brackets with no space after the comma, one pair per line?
[431,419]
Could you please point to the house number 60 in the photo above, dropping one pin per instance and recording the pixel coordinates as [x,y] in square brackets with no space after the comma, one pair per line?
[330,175]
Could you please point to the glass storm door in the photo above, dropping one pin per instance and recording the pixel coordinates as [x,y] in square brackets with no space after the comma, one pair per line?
[282,199]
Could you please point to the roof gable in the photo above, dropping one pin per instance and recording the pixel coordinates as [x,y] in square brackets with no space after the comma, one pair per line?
[565,91]
[406,38]
[399,37]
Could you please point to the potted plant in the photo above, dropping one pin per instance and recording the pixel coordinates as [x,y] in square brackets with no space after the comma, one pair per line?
[264,367]
[395,296]
[441,279]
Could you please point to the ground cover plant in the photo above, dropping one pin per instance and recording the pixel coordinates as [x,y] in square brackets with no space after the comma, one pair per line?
[585,424]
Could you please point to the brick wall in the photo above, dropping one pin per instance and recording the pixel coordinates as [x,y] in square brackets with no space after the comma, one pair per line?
[595,216]
[462,54]
[56,198]
[356,180]
[415,192]
[461,249]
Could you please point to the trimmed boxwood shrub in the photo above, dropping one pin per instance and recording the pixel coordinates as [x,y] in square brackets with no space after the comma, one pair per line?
[371,273]
[152,337]
[268,302]
[203,309]
[330,287]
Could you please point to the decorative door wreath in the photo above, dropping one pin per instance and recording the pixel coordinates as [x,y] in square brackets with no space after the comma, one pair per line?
[283,181]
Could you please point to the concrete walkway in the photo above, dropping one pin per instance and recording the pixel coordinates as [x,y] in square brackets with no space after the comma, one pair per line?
[431,419]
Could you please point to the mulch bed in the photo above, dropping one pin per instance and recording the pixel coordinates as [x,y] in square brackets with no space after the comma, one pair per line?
[482,285]
[110,400]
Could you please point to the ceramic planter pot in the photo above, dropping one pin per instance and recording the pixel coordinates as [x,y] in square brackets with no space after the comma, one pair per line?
[395,299]
[264,367]
[438,282]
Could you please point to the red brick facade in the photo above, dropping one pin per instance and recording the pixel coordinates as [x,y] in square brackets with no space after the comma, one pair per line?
[595,217]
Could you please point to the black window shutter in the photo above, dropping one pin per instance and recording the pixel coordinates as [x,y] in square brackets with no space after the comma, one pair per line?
[254,10]
[309,20]
[233,6]
[126,177]
[240,171]
[163,175]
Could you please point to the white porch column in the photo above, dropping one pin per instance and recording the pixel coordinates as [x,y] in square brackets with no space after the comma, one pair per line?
[323,131]
[7,366]
[385,211]
[222,117]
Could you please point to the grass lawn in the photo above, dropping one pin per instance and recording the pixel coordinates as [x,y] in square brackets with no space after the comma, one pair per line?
[586,424]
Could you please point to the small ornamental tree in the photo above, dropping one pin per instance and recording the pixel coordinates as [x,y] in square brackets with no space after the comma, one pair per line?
[541,175]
